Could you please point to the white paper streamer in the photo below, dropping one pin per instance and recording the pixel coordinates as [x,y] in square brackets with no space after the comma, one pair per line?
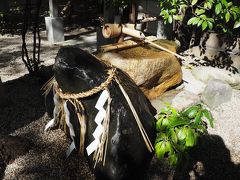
[67,119]
[98,119]
[70,149]
[55,111]
[71,130]
[49,124]
[102,100]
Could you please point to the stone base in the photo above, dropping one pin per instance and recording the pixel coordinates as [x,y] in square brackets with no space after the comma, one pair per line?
[154,71]
[55,30]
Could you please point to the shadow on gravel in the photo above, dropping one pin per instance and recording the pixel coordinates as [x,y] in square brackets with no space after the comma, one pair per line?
[25,101]
[210,160]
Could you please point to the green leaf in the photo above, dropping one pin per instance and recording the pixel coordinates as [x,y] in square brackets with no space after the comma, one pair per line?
[236,25]
[178,121]
[173,11]
[229,4]
[199,11]
[181,134]
[210,25]
[190,138]
[165,14]
[204,25]
[235,9]
[209,116]
[218,8]
[196,21]
[209,5]
[170,19]
[199,23]
[168,148]
[205,5]
[227,16]
[193,2]
[161,137]
[191,111]
[200,128]
[160,150]
[173,136]
[165,123]
[224,2]
[159,123]
[173,160]
[234,15]
[173,111]
[193,20]
[210,19]
[203,16]
[198,117]
[225,30]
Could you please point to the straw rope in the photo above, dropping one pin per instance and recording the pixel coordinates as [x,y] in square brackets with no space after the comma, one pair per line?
[111,72]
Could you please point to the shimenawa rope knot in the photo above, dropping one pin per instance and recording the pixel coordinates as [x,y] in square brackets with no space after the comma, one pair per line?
[111,75]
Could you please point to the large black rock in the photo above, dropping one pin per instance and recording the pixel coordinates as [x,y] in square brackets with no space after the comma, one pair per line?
[127,155]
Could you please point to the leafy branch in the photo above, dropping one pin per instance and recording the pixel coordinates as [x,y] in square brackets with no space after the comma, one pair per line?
[179,131]
[219,15]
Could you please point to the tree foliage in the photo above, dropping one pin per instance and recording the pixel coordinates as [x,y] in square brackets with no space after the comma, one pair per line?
[218,15]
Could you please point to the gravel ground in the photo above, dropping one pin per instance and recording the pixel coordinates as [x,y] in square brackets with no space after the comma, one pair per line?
[227,124]
[46,159]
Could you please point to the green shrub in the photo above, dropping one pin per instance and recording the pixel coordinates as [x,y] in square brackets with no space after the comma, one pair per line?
[217,15]
[177,132]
